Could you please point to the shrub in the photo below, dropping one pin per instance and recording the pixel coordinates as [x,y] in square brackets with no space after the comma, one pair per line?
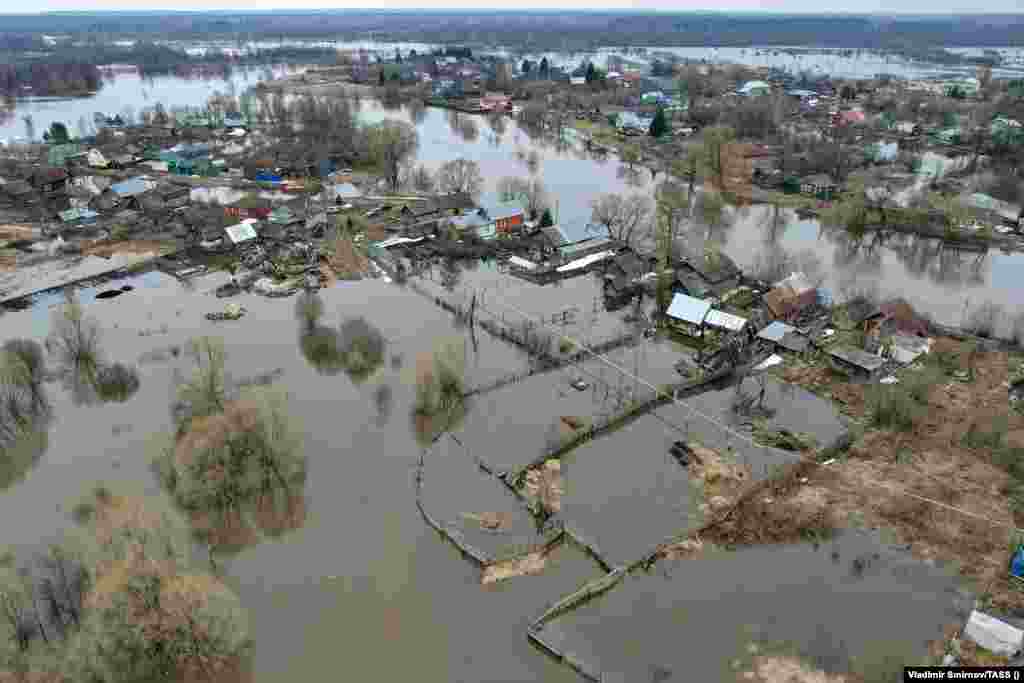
[892,407]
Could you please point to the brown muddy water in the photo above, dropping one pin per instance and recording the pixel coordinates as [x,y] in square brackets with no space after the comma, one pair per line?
[850,604]
[364,578]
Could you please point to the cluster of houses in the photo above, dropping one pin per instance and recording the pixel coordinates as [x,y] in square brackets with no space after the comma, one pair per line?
[792,316]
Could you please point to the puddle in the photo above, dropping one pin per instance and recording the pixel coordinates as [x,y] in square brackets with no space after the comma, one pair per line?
[847,605]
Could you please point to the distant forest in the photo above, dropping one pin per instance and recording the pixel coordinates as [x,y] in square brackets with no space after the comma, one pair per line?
[548,30]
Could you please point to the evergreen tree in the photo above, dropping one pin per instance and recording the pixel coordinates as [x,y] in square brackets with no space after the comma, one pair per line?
[545,68]
[659,126]
[382,78]
[398,56]
[546,221]
[57,135]
[527,66]
[590,72]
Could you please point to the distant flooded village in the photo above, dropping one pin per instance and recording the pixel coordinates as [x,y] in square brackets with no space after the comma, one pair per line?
[640,365]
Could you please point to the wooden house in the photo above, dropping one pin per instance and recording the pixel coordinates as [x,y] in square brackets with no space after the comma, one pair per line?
[855,363]
[819,185]
[49,181]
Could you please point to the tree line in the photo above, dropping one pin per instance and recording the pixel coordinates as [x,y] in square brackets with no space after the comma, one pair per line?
[560,30]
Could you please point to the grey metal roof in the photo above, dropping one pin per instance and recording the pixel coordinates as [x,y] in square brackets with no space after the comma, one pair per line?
[130,187]
[688,309]
[861,359]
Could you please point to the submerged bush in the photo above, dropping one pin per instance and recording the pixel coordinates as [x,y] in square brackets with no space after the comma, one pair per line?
[362,348]
[239,470]
[205,392]
[120,602]
[116,382]
[892,407]
[74,337]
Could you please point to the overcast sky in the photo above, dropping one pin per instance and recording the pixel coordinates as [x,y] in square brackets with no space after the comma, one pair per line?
[796,6]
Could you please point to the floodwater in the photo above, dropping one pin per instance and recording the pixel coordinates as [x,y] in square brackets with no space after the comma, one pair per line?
[121,92]
[850,604]
[938,279]
[627,493]
[364,576]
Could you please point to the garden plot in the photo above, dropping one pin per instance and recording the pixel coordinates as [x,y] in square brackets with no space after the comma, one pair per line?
[750,436]
[512,426]
[625,493]
[849,605]
[481,508]
[573,307]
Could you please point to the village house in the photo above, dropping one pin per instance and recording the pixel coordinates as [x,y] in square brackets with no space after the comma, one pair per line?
[819,185]
[754,88]
[20,193]
[49,181]
[688,314]
[494,101]
[622,277]
[782,336]
[790,297]
[126,191]
[174,196]
[855,363]
[719,272]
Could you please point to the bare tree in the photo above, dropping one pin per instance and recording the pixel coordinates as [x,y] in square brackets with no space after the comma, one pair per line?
[624,216]
[419,179]
[530,191]
[393,144]
[460,175]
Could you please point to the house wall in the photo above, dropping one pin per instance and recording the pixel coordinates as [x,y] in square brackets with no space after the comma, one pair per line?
[511,224]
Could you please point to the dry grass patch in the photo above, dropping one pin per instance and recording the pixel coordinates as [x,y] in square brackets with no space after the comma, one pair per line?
[788,670]
[544,485]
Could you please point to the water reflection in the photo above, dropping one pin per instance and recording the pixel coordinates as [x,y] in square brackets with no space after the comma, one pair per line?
[24,409]
[318,344]
[362,347]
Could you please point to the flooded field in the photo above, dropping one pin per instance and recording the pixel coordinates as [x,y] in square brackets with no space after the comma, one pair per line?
[362,565]
[847,605]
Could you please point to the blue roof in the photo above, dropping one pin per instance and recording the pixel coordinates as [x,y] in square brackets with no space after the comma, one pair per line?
[130,187]
[688,309]
[775,332]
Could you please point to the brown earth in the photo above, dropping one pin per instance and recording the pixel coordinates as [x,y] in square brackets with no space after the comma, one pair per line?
[10,233]
[787,670]
[106,249]
[544,485]
[346,261]
[931,461]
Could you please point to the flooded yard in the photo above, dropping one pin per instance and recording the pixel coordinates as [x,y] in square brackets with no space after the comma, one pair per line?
[848,605]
